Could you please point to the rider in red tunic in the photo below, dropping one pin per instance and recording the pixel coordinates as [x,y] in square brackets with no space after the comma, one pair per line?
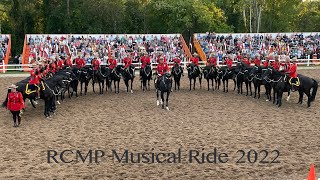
[80,63]
[266,62]
[60,64]
[176,60]
[276,64]
[162,67]
[256,60]
[127,62]
[96,64]
[229,62]
[144,60]
[34,81]
[112,63]
[294,80]
[15,104]
[246,61]
[68,62]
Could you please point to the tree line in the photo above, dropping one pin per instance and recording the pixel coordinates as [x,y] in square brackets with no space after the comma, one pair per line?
[20,17]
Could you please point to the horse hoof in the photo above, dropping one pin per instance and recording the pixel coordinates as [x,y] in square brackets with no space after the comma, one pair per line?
[288,98]
[58,102]
[158,103]
[167,108]
[131,92]
[267,100]
[161,102]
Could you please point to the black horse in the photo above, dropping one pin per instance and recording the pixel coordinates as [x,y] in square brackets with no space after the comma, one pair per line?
[176,72]
[163,85]
[74,82]
[210,73]
[225,75]
[279,82]
[27,91]
[193,73]
[304,85]
[146,74]
[84,77]
[99,76]
[115,76]
[128,75]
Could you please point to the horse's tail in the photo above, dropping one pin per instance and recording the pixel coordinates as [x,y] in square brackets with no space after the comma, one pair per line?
[4,104]
[314,90]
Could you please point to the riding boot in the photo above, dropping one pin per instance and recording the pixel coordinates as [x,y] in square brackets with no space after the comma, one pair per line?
[19,120]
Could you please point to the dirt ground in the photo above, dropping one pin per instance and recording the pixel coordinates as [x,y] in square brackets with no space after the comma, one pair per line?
[197,119]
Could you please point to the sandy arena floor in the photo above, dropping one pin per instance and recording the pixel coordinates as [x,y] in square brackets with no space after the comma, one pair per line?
[197,119]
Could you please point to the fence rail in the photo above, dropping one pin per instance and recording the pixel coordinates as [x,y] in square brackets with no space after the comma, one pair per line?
[27,67]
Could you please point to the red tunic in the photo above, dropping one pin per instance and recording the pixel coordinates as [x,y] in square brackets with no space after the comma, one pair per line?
[15,101]
[176,60]
[96,65]
[246,61]
[276,65]
[195,60]
[144,61]
[80,63]
[127,62]
[113,63]
[293,70]
[162,68]
[266,63]
[212,61]
[34,78]
[257,62]
[68,62]
[229,63]
[60,64]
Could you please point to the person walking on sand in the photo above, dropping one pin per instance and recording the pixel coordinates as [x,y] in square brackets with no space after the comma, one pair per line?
[15,104]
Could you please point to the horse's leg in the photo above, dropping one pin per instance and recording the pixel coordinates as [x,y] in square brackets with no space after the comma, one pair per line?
[194,84]
[190,83]
[274,96]
[227,84]
[259,90]
[167,101]
[300,97]
[81,88]
[212,84]
[162,98]
[157,91]
[208,84]
[250,87]
[86,87]
[224,85]
[280,98]
[288,98]
[241,84]
[235,84]
[309,98]
[131,85]
[200,78]
[115,87]
[255,89]
[238,86]
[100,91]
[118,83]
[246,82]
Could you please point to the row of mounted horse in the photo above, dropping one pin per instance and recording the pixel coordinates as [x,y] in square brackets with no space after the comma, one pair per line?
[270,78]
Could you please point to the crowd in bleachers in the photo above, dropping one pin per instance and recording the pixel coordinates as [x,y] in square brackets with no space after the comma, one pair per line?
[4,40]
[298,45]
[89,47]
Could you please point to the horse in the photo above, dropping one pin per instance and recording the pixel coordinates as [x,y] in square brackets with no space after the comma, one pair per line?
[115,76]
[98,77]
[225,75]
[163,85]
[146,75]
[193,73]
[210,73]
[84,77]
[176,72]
[74,82]
[304,85]
[128,76]
[26,91]
[279,82]
[105,70]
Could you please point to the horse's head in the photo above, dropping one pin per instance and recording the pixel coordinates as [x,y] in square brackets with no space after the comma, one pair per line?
[267,73]
[147,69]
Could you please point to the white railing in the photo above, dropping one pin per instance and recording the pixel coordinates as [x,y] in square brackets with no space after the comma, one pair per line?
[27,67]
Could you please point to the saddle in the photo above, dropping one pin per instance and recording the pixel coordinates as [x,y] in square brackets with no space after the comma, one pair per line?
[33,88]
[294,82]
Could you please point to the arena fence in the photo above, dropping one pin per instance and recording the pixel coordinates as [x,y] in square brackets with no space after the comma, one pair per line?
[27,67]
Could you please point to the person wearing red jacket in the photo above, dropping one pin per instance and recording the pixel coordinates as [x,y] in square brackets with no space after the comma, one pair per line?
[162,67]
[112,63]
[246,61]
[80,63]
[256,60]
[195,59]
[34,82]
[68,62]
[60,64]
[276,64]
[266,63]
[15,104]
[294,80]
[96,64]
[144,60]
[127,62]
[286,65]
[229,62]
[176,60]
